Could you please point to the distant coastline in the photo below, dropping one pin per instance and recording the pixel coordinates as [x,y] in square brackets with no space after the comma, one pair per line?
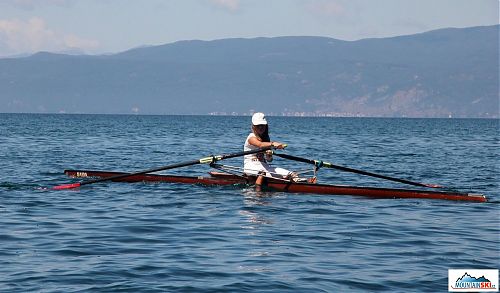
[284,115]
[444,73]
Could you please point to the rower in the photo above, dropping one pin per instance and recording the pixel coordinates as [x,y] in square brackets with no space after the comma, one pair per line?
[258,164]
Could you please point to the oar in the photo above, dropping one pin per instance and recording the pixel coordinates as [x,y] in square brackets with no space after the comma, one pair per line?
[342,168]
[205,160]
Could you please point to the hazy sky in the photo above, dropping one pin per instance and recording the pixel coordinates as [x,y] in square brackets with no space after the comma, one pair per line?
[100,26]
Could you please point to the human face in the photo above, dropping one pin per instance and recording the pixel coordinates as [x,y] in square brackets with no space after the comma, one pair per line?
[260,129]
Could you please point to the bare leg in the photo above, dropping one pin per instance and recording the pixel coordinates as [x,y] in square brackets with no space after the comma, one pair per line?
[258,183]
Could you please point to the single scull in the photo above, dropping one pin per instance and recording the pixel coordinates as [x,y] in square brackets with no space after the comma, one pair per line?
[217,178]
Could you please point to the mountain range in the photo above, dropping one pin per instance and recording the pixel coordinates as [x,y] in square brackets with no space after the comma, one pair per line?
[450,72]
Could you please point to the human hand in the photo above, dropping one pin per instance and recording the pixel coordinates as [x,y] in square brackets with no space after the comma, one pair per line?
[278,145]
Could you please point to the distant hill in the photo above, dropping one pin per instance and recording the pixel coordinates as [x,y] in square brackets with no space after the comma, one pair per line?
[441,73]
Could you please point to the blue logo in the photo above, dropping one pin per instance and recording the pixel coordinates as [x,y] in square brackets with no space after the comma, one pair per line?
[469,282]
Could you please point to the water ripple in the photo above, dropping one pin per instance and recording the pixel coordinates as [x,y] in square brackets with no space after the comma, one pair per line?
[180,238]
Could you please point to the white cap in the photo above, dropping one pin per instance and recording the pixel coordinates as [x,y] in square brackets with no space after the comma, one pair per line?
[259,119]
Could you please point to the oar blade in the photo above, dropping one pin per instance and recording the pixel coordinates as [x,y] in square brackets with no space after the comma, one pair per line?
[66,186]
[433,185]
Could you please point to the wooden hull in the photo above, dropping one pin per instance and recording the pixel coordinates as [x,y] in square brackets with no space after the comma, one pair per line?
[227,179]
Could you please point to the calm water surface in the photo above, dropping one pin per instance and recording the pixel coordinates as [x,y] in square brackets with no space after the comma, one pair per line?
[119,237]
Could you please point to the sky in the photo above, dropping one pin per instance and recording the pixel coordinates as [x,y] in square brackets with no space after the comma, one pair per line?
[110,26]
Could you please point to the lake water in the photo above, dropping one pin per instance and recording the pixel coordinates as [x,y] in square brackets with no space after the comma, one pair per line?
[122,237]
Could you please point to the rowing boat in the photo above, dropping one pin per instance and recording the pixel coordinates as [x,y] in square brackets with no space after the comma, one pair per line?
[221,179]
[230,176]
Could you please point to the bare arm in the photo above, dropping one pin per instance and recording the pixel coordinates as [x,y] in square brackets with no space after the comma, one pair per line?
[261,144]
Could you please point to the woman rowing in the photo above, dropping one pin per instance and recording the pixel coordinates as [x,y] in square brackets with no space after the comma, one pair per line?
[257,164]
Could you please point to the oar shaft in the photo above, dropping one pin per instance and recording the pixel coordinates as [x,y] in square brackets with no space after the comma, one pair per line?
[347,169]
[179,165]
[205,160]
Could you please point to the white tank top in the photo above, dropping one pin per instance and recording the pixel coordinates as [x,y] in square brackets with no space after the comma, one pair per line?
[251,147]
